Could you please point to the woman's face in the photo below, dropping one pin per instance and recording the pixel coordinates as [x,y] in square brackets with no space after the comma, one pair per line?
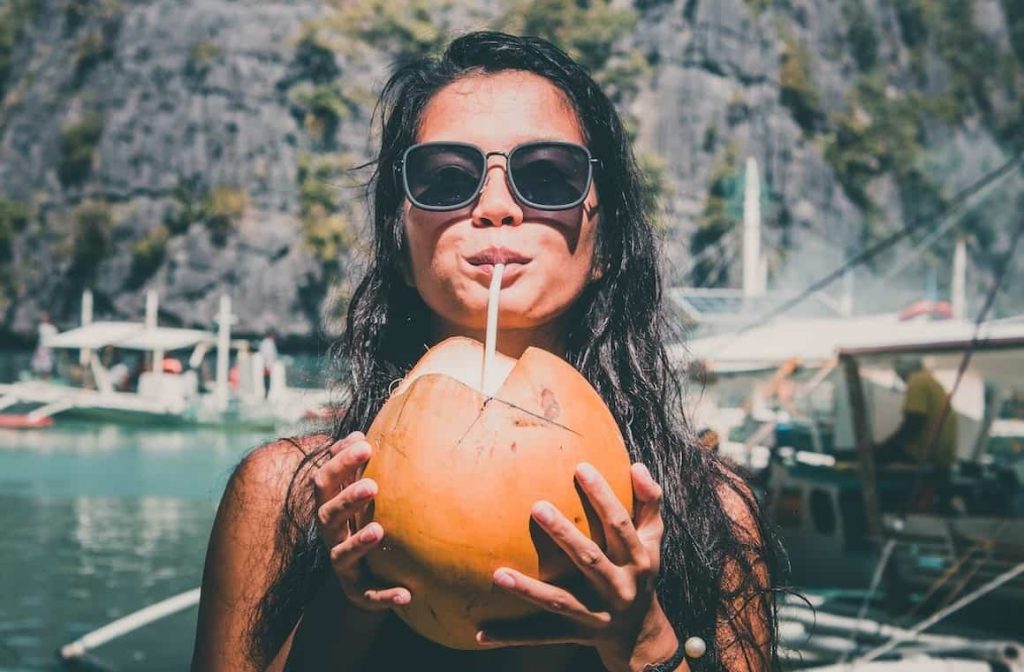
[496,113]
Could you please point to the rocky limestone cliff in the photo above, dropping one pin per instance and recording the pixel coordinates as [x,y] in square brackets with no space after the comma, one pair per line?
[201,147]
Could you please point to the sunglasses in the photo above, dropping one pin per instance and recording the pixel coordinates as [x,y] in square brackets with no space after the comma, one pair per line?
[544,175]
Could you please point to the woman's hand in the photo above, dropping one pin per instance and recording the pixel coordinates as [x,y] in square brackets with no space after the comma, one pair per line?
[618,612]
[340,498]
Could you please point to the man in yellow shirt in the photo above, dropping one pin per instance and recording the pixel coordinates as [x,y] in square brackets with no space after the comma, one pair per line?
[921,439]
[926,437]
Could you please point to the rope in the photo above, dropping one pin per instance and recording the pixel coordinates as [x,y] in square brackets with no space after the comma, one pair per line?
[954,569]
[913,254]
[945,578]
[1005,577]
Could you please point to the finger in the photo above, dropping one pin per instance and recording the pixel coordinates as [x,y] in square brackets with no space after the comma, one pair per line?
[345,556]
[334,447]
[537,630]
[550,598]
[384,598]
[620,535]
[647,496]
[341,444]
[584,552]
[335,514]
[340,470]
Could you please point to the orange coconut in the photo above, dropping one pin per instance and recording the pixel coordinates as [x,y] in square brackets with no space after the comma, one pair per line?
[459,472]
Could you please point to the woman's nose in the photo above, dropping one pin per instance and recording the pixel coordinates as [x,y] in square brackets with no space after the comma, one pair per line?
[497,206]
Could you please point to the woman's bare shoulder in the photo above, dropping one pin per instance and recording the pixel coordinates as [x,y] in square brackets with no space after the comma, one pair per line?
[267,471]
[254,498]
[740,504]
[243,551]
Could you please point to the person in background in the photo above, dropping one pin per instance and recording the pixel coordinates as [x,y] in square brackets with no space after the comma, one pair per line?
[171,365]
[42,358]
[268,351]
[118,372]
[927,433]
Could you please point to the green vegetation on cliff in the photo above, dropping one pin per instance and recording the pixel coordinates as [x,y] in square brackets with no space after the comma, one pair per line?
[326,226]
[718,217]
[861,34]
[222,210]
[147,255]
[218,208]
[15,15]
[92,223]
[14,217]
[796,86]
[78,141]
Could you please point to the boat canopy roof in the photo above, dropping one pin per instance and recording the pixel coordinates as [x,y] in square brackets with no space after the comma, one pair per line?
[879,337]
[130,336]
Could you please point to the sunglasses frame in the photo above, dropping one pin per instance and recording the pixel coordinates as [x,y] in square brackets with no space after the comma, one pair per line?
[400,168]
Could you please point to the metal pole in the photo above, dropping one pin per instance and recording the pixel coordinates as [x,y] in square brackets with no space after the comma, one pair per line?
[959,284]
[85,355]
[152,308]
[753,266]
[865,446]
[224,320]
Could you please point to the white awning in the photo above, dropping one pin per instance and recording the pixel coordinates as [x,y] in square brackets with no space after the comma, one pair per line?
[129,335]
[167,338]
[93,336]
[815,341]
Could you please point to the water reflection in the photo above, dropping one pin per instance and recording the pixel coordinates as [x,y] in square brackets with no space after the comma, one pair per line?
[101,520]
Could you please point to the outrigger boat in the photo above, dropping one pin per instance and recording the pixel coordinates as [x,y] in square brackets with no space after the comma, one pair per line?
[835,511]
[161,396]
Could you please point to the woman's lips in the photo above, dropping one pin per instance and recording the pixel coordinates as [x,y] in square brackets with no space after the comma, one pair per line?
[484,271]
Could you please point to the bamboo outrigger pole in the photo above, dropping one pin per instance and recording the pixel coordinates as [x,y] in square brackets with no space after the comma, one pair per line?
[122,626]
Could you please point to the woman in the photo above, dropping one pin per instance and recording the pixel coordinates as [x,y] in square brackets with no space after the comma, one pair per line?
[518,185]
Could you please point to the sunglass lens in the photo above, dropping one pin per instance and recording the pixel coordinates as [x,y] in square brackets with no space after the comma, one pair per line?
[443,176]
[550,175]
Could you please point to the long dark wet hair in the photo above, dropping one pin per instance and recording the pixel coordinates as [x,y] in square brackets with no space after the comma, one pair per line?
[713,568]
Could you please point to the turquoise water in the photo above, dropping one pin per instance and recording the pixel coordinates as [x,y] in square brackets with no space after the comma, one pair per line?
[101,520]
[98,521]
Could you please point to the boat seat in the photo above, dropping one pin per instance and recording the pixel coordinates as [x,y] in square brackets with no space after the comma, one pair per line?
[157,385]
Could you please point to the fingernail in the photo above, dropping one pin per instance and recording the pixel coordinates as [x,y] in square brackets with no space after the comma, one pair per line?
[586,471]
[643,468]
[482,638]
[544,512]
[400,598]
[504,579]
[369,534]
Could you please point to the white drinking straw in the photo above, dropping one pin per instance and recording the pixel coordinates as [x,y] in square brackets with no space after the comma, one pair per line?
[491,338]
